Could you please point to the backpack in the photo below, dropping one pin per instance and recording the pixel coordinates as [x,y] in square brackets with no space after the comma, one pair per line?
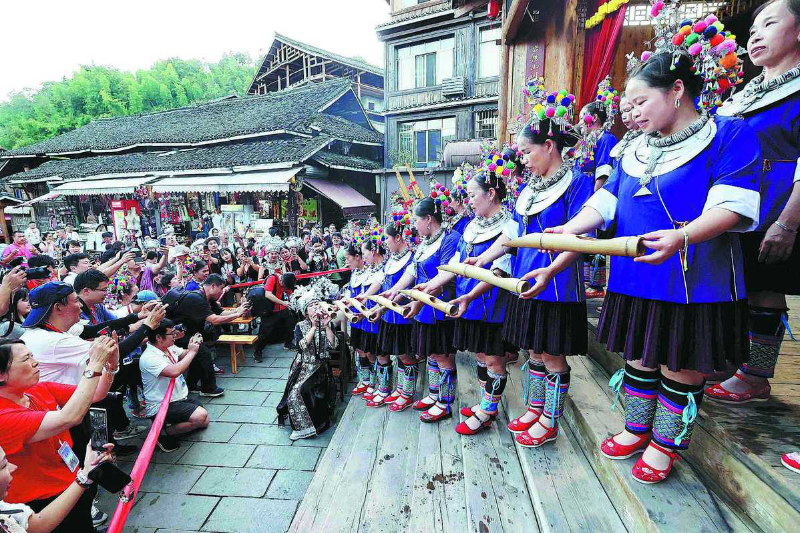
[174,297]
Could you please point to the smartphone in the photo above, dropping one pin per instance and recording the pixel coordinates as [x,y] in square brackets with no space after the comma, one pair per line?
[15,262]
[99,420]
[110,477]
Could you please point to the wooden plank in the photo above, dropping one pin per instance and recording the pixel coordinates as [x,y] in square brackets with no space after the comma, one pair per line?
[439,503]
[349,506]
[497,497]
[320,494]
[667,506]
[565,491]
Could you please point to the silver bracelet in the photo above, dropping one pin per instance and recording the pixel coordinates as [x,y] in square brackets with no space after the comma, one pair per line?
[786,228]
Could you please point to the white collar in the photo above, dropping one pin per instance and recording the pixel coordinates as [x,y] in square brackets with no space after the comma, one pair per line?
[738,103]
[543,199]
[476,233]
[393,266]
[635,158]
[423,251]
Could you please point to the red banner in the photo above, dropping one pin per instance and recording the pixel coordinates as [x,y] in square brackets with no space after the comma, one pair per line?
[140,466]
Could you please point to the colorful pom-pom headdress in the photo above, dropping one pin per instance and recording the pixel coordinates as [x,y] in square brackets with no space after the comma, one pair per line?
[558,106]
[441,199]
[713,51]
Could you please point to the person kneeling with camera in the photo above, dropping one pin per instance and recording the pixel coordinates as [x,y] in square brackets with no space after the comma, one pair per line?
[35,419]
[160,362]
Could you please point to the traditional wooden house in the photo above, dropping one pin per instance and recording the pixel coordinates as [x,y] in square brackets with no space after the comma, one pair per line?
[315,140]
[442,81]
[290,63]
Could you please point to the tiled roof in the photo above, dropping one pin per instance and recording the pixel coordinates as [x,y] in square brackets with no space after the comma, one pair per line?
[350,61]
[296,149]
[345,130]
[290,110]
[345,161]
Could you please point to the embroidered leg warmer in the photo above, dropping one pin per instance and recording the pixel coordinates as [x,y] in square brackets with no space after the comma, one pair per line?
[556,387]
[534,387]
[676,412]
[409,380]
[401,376]
[447,386]
[385,379]
[640,392]
[766,335]
[493,391]
[434,377]
[363,369]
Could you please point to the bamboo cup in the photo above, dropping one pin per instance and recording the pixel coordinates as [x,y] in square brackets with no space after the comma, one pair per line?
[387,303]
[358,305]
[619,246]
[445,307]
[468,271]
[352,318]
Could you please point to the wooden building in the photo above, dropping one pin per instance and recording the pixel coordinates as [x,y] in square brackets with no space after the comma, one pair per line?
[442,81]
[290,63]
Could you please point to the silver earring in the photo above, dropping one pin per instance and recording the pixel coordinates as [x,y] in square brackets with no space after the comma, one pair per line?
[429,226]
[677,103]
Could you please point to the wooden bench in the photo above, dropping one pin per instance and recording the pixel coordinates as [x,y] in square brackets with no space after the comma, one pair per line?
[237,343]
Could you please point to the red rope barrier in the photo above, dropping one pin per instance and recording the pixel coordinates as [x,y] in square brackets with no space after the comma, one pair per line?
[140,466]
[298,276]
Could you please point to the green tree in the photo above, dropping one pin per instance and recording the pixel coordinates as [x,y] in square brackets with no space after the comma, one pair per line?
[97,91]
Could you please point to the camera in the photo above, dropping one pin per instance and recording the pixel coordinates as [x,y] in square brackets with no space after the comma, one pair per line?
[41,272]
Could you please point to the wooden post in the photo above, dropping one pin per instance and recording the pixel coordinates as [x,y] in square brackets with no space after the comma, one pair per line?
[3,226]
[503,101]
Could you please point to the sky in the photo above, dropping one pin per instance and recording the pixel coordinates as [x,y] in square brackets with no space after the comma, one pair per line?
[48,40]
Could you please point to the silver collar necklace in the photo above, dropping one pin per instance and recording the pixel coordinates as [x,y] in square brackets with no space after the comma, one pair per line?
[658,143]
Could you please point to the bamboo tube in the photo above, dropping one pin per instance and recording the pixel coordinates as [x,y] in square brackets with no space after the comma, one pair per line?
[619,246]
[403,189]
[331,310]
[415,187]
[351,317]
[445,307]
[387,303]
[468,271]
[352,302]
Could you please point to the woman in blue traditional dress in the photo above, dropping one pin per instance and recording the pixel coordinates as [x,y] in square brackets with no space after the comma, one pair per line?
[432,332]
[679,312]
[549,320]
[770,104]
[373,252]
[360,339]
[480,324]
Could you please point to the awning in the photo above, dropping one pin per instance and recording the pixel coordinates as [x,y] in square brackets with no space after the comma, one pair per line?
[275,180]
[17,210]
[106,186]
[352,202]
[43,198]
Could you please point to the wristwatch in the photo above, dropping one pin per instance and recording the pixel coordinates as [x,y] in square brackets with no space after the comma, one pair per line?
[89,374]
[83,480]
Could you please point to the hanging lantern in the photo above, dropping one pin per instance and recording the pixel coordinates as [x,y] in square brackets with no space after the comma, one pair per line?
[494,9]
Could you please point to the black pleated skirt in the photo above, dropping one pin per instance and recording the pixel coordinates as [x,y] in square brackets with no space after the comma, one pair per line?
[394,339]
[479,337]
[355,337]
[703,336]
[782,277]
[368,342]
[547,327]
[436,338]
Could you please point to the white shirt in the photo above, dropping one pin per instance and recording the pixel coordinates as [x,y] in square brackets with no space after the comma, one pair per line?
[70,278]
[62,357]
[121,312]
[16,522]
[33,235]
[152,363]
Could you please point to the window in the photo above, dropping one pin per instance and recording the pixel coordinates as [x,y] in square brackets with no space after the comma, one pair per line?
[489,60]
[403,4]
[425,139]
[371,106]
[424,64]
[486,124]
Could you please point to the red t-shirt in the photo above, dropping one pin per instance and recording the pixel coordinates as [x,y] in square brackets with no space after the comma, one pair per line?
[41,473]
[274,286]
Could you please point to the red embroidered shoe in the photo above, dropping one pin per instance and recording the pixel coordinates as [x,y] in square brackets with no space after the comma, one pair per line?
[468,411]
[526,440]
[377,401]
[595,293]
[428,418]
[791,461]
[718,393]
[518,426]
[424,404]
[367,396]
[463,429]
[400,404]
[361,388]
[393,396]
[614,450]
[644,473]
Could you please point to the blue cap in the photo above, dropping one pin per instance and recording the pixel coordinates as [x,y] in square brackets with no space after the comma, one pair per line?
[43,298]
[145,296]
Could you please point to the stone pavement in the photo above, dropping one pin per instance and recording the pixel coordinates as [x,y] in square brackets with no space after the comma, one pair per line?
[242,474]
